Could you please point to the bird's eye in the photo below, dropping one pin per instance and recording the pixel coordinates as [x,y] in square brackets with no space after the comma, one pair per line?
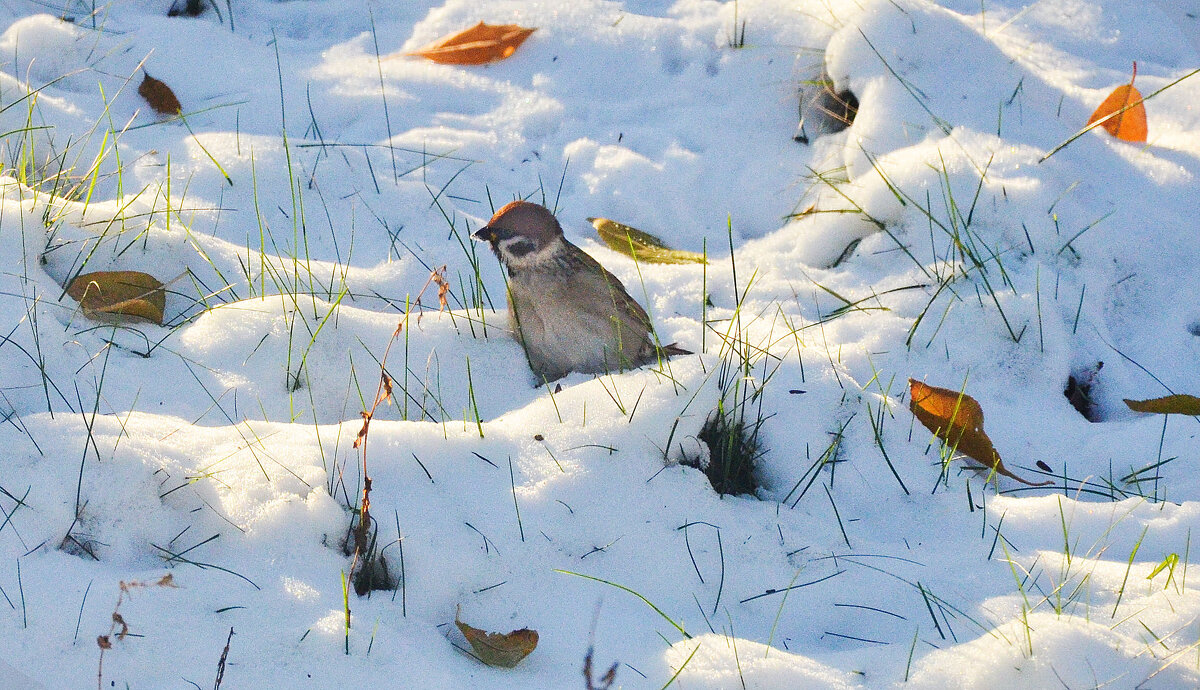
[518,248]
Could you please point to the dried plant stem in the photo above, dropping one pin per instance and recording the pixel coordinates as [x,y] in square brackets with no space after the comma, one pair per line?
[361,531]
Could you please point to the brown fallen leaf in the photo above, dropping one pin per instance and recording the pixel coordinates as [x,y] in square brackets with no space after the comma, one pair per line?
[499,649]
[1171,404]
[128,293]
[957,419]
[159,96]
[477,45]
[642,246]
[1129,125]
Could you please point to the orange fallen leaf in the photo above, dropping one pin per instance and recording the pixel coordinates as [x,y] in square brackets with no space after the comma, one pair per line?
[159,96]
[1129,125]
[128,293]
[477,45]
[499,649]
[957,419]
[1171,404]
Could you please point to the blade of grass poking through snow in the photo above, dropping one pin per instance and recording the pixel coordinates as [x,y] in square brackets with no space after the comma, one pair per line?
[877,430]
[517,508]
[346,609]
[1115,114]
[1132,555]
[205,150]
[387,118]
[1025,607]
[912,90]
[687,661]
[475,406]
[317,331]
[779,611]
[639,596]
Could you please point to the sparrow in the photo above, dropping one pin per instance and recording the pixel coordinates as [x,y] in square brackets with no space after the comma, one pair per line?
[566,310]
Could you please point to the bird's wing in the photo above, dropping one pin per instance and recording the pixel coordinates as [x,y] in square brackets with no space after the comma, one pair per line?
[631,323]
[632,315]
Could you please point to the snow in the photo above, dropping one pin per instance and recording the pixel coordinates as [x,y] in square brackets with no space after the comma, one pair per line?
[219,447]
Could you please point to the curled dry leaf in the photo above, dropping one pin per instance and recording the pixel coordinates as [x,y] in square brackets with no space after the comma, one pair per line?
[159,96]
[1171,404]
[642,246]
[499,649]
[1129,125]
[122,293]
[957,419]
[477,45]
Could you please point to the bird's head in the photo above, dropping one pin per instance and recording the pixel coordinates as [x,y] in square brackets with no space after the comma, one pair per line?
[520,232]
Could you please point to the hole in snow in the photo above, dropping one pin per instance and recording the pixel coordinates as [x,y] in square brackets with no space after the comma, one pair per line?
[1080,391]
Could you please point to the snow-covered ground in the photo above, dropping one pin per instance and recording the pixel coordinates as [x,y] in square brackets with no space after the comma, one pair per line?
[218,448]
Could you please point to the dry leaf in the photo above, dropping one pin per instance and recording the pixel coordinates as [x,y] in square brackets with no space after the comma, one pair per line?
[499,649]
[957,419]
[477,45]
[1171,404]
[1129,125]
[129,293]
[159,96]
[642,246]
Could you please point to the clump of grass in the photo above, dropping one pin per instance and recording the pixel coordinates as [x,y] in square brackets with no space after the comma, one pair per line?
[737,37]
[734,449]
[373,573]
[732,430]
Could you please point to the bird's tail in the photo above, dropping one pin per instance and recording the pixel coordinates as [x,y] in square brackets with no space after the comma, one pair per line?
[674,349]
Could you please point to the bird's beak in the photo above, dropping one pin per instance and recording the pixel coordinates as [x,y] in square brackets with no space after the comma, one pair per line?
[486,234]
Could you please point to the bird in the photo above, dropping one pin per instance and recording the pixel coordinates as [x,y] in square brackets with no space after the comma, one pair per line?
[566,310]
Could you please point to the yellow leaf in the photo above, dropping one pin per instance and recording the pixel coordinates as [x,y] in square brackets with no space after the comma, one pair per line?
[128,293]
[1171,404]
[499,649]
[642,246]
[1129,125]
[957,419]
[477,45]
